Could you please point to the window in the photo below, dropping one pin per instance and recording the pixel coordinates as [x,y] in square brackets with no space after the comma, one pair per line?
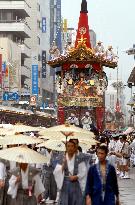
[39,57]
[39,24]
[38,40]
[38,6]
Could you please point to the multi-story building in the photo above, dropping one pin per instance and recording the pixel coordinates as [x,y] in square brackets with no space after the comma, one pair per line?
[30,27]
[14,29]
[113,94]
[69,36]
[44,21]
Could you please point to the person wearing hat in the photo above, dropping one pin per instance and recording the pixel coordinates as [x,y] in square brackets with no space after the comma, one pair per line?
[99,49]
[86,121]
[73,120]
[109,54]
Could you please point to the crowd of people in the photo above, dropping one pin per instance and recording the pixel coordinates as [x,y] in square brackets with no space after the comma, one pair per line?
[76,177]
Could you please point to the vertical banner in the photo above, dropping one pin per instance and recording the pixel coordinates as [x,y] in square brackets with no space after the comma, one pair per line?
[100,114]
[1,71]
[34,79]
[58,25]
[6,77]
[65,26]
[43,64]
[43,24]
[51,21]
[61,115]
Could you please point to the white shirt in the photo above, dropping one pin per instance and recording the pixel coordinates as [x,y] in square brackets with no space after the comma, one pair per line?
[70,163]
[12,165]
[119,146]
[24,178]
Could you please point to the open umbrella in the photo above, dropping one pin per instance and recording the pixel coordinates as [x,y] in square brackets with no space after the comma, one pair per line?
[22,154]
[4,131]
[17,129]
[19,139]
[67,128]
[57,135]
[24,128]
[6,126]
[58,145]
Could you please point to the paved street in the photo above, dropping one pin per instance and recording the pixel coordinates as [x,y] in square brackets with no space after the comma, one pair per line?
[127,189]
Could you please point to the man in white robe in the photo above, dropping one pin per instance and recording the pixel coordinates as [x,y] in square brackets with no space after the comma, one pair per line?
[86,121]
[25,186]
[70,176]
[99,49]
[73,120]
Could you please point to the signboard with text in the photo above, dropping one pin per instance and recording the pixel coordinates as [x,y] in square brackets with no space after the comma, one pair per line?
[43,24]
[43,64]
[33,100]
[34,79]
[11,96]
[1,71]
[81,101]
[58,25]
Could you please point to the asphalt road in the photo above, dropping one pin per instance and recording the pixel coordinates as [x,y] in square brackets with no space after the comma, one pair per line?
[127,189]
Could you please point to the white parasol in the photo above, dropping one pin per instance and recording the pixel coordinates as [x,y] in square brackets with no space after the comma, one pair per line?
[17,129]
[67,128]
[56,135]
[58,145]
[19,139]
[23,154]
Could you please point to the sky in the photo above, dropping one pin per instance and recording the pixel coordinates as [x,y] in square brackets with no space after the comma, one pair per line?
[114,24]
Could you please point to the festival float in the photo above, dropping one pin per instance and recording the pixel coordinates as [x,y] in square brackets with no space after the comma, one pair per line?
[82,82]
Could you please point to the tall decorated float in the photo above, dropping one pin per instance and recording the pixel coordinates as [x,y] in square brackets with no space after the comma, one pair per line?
[82,82]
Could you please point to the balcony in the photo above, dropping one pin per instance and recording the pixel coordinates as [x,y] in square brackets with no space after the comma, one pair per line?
[25,51]
[20,7]
[25,72]
[19,27]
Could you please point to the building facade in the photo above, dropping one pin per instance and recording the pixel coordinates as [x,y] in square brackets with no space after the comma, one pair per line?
[44,23]
[31,27]
[111,95]
[14,29]
[69,35]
